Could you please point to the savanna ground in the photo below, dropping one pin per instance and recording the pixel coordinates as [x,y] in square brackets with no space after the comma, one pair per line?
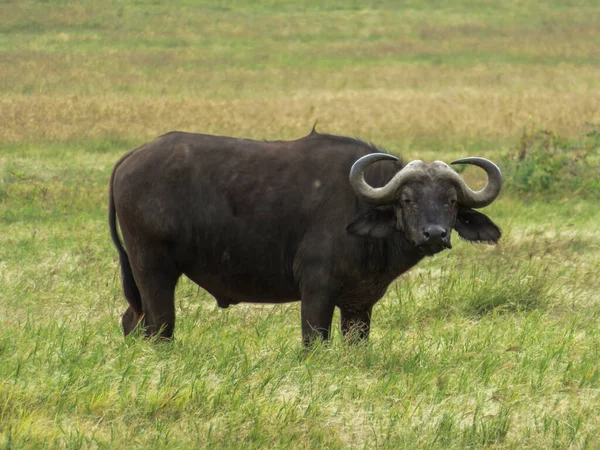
[480,346]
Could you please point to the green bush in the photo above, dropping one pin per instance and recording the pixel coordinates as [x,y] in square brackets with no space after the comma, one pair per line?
[544,162]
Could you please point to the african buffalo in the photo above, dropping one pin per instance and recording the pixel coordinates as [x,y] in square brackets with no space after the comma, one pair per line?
[313,220]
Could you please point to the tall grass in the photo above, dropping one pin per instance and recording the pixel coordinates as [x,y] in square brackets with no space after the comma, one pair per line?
[479,347]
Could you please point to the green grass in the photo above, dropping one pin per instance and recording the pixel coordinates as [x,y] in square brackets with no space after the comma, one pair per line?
[480,347]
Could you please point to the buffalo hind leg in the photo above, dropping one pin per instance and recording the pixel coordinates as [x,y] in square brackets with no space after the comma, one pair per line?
[130,320]
[356,325]
[157,289]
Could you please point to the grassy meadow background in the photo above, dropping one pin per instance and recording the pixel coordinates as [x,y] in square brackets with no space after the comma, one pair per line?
[481,347]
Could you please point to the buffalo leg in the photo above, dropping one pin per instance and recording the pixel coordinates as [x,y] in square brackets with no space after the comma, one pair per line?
[130,320]
[356,324]
[157,289]
[317,313]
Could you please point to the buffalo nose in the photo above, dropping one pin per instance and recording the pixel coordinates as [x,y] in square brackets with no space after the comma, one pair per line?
[434,234]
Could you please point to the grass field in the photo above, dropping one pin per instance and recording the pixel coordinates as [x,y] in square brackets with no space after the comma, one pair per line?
[481,347]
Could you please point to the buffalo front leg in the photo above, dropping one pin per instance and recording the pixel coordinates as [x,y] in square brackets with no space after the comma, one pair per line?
[317,313]
[356,325]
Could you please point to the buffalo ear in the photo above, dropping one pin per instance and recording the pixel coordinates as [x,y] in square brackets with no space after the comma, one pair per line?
[378,222]
[476,227]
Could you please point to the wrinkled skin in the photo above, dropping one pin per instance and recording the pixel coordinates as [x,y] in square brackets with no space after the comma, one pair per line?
[272,222]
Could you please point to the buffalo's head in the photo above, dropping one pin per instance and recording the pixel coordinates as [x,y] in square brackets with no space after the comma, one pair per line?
[426,201]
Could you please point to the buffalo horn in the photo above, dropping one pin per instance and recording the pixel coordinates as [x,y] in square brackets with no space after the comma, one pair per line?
[479,199]
[416,169]
[385,194]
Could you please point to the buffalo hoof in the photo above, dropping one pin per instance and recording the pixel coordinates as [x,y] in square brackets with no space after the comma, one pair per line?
[223,302]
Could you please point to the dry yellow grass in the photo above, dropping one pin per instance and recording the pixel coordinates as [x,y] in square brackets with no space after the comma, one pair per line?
[78,71]
[453,114]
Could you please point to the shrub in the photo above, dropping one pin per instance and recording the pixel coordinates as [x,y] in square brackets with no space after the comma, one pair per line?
[544,162]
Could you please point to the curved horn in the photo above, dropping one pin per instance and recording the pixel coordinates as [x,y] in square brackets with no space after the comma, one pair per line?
[479,199]
[386,194]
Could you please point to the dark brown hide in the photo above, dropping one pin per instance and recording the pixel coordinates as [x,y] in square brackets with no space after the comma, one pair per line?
[262,222]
